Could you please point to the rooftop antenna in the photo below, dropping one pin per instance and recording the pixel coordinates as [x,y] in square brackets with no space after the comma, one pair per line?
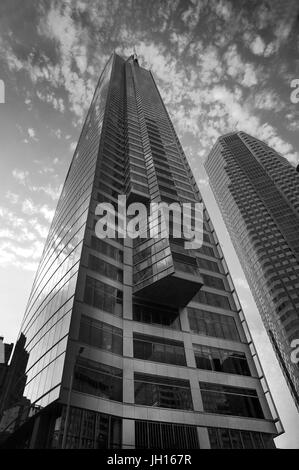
[135,57]
[236,126]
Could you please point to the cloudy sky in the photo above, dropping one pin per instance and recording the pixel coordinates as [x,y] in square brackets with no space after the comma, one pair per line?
[220,65]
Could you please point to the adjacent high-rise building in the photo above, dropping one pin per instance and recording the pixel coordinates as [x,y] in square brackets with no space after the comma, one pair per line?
[5,352]
[136,343]
[258,193]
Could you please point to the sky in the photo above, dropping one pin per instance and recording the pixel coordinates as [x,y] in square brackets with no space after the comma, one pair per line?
[220,65]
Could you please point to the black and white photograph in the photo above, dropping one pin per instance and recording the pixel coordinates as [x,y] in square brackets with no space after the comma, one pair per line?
[149,228]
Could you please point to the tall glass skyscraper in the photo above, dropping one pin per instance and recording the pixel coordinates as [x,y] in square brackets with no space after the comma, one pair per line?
[258,193]
[135,343]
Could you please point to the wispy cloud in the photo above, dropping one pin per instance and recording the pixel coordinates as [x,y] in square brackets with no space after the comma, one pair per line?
[23,178]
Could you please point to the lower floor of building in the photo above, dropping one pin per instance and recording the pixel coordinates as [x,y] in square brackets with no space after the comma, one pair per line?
[58,427]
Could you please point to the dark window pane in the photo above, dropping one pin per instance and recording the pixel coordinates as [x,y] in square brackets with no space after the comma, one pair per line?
[236,401]
[158,349]
[162,392]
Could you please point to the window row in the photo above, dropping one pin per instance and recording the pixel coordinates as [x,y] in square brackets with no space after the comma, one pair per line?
[220,360]
[106,249]
[102,296]
[88,430]
[162,392]
[222,438]
[154,435]
[235,401]
[213,324]
[209,298]
[156,314]
[98,379]
[105,269]
[156,349]
[101,335]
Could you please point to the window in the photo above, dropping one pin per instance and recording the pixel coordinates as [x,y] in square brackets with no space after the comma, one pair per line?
[106,249]
[154,435]
[102,296]
[185,263]
[208,265]
[151,390]
[88,430]
[101,335]
[221,438]
[236,401]
[212,281]
[104,268]
[156,314]
[215,300]
[213,324]
[220,360]
[98,379]
[206,250]
[153,348]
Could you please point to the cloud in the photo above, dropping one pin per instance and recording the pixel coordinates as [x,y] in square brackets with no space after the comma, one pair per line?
[41,229]
[23,178]
[268,100]
[256,44]
[244,72]
[20,175]
[202,182]
[50,98]
[19,246]
[241,282]
[47,212]
[29,208]
[52,191]
[72,146]
[191,15]
[12,197]
[20,257]
[6,233]
[32,134]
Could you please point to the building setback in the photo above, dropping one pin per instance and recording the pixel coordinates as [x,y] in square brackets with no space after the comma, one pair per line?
[257,191]
[136,343]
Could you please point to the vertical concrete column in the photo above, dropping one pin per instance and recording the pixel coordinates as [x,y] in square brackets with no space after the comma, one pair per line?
[184,319]
[128,381]
[128,339]
[128,437]
[195,392]
[203,437]
[128,278]
[189,350]
[34,435]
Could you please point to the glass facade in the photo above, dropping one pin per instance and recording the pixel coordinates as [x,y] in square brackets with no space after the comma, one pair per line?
[151,390]
[153,348]
[101,335]
[221,438]
[48,314]
[151,435]
[228,400]
[205,322]
[98,379]
[134,325]
[87,430]
[220,360]
[257,191]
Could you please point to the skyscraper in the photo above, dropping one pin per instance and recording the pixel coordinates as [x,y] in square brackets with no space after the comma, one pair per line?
[5,352]
[136,343]
[258,193]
